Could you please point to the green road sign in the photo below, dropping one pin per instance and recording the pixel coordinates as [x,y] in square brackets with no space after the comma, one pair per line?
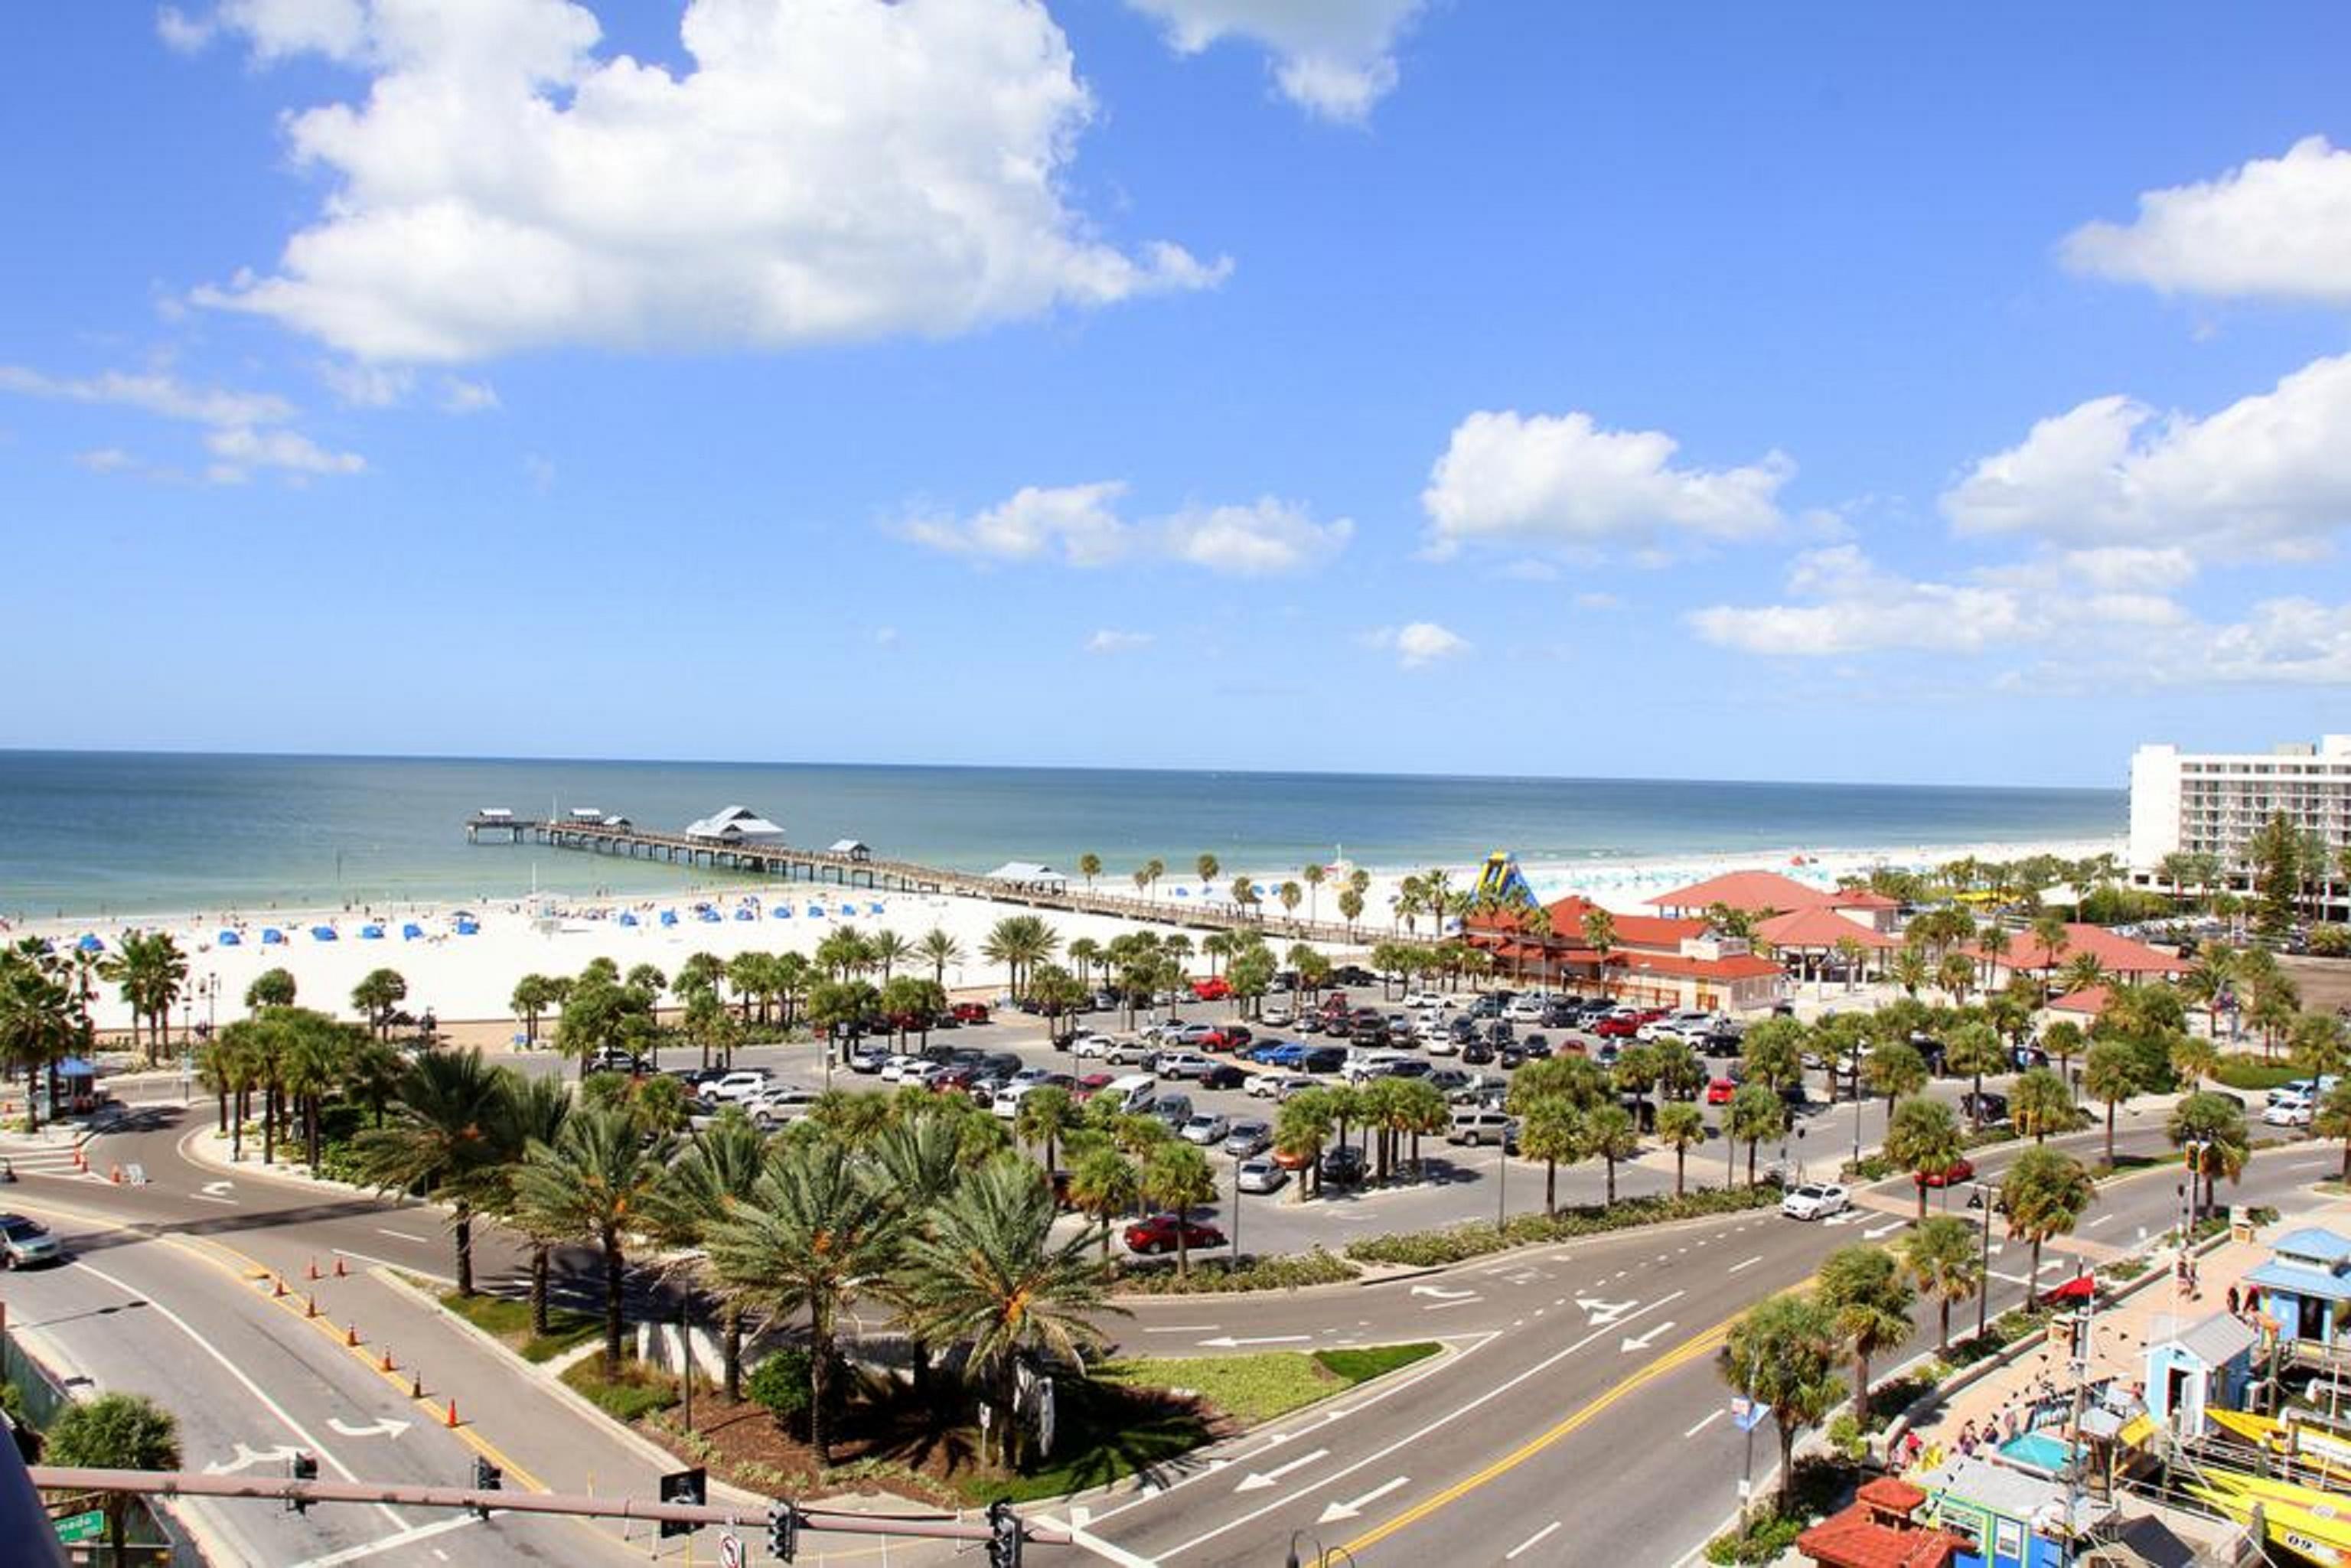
[82,1526]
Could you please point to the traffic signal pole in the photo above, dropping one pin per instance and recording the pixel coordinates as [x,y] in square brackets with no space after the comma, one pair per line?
[191,1483]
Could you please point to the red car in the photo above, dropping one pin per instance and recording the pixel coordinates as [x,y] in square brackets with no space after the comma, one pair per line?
[1214,988]
[1719,1091]
[1615,1027]
[1157,1234]
[1091,1084]
[969,1012]
[1952,1174]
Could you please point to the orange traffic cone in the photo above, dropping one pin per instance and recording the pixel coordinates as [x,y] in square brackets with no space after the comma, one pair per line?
[383,1362]
[314,1268]
[310,1306]
[115,1175]
[278,1287]
[340,1271]
[350,1335]
[452,1413]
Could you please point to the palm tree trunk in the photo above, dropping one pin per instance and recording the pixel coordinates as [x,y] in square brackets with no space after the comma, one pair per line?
[1681,1169]
[731,1352]
[613,1278]
[1922,1202]
[540,1325]
[1861,1388]
[223,1108]
[1611,1181]
[1550,1184]
[1943,1334]
[820,1380]
[460,1226]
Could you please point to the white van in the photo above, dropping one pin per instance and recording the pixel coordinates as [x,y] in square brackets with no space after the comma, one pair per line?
[1134,1091]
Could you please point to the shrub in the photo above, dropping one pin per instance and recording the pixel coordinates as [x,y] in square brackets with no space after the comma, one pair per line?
[781,1381]
[2328,940]
[1218,1275]
[1869,1167]
[1763,1539]
[1430,1248]
[2252,1072]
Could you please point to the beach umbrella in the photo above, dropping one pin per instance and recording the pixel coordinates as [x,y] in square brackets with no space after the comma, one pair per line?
[370,932]
[669,917]
[322,932]
[468,928]
[816,912]
[709,915]
[1182,893]
[411,931]
[783,911]
[231,939]
[627,918]
[91,944]
[743,911]
[272,938]
[877,907]
[849,909]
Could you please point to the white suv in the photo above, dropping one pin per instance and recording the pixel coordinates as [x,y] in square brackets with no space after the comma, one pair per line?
[1815,1201]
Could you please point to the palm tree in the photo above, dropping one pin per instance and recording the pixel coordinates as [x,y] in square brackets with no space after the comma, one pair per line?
[1019,942]
[1974,1050]
[1350,909]
[1312,874]
[2193,1059]
[1755,1113]
[2332,1119]
[2110,1076]
[270,988]
[719,1166]
[1106,1183]
[1301,1129]
[1600,936]
[1291,895]
[939,949]
[1176,1178]
[442,1141]
[150,970]
[114,1432]
[816,1230]
[1609,1132]
[1089,867]
[535,1111]
[1681,1128]
[1047,1116]
[1084,953]
[1863,1288]
[533,994]
[1782,1354]
[1923,1139]
[2046,1192]
[1207,866]
[2217,1123]
[37,1025]
[1941,1258]
[991,1276]
[316,1055]
[889,950]
[377,996]
[2039,1103]
[1550,1129]
[590,1184]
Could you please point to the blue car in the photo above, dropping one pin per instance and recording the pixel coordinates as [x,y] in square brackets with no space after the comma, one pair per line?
[1281,1053]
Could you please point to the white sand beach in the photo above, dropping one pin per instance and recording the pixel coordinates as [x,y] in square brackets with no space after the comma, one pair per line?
[464,975]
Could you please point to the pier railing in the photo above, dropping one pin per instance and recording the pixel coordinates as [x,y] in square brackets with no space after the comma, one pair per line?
[791,865]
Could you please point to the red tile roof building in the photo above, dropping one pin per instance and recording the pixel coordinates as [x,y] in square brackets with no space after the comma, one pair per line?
[1654,960]
[1769,893]
[1879,1530]
[2116,955]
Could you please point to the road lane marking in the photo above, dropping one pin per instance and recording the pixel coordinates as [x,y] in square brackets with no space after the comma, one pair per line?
[285,1418]
[1335,1510]
[1642,1342]
[394,1542]
[2103,1220]
[1227,1341]
[1711,1418]
[1258,1480]
[1464,1301]
[1749,1264]
[388,1263]
[1530,1544]
[1184,1328]
[403,1236]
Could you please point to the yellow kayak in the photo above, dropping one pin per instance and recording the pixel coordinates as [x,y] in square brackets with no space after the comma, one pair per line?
[2300,1517]
[2324,1450]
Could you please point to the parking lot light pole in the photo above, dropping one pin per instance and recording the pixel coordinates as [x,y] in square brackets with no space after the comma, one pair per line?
[1501,1182]
[1983,1260]
[1236,1211]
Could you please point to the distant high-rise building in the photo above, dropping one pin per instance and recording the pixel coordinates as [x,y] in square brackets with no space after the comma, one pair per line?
[2213,803]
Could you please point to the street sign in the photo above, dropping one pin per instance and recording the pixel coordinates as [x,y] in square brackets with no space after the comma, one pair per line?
[87,1526]
[730,1552]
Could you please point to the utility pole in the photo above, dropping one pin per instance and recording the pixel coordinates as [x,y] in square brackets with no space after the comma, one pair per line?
[1983,1261]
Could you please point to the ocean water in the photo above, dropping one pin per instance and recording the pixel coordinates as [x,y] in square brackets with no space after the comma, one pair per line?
[112,832]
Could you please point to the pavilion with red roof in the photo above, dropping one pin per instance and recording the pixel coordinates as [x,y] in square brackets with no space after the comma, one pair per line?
[1652,960]
[2117,954]
[1767,893]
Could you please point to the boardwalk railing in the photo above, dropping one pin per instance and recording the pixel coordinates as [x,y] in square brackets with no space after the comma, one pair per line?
[907,876]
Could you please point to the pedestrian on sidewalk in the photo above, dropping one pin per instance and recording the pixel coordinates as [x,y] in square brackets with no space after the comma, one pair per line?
[2232,1301]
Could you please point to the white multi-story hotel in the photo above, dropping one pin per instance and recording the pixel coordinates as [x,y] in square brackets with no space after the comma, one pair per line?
[2215,802]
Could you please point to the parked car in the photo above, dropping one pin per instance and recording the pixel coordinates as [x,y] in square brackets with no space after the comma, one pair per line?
[26,1243]
[612,1058]
[869,1056]
[1247,1137]
[1182,1064]
[1719,1091]
[1157,1233]
[1205,1128]
[1295,1083]
[1130,1053]
[1093,1045]
[2294,1111]
[1280,1053]
[1260,1175]
[1342,1166]
[739,1084]
[777,1102]
[1277,1016]
[1815,1201]
[1324,1059]
[1214,988]
[1175,1110]
[1473,1127]
[1984,1107]
[1477,1054]
[1091,1084]
[1959,1170]
[968,1012]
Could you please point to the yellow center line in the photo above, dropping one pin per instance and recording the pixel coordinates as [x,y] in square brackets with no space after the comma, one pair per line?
[1680,1355]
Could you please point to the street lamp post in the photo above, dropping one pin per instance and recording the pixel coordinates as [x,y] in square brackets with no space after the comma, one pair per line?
[1323,1555]
[1501,1181]
[1983,1260]
[1236,1211]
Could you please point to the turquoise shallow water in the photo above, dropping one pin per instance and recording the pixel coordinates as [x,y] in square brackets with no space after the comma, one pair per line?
[91,833]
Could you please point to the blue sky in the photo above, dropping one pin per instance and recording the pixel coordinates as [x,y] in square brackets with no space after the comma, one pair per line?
[1465,386]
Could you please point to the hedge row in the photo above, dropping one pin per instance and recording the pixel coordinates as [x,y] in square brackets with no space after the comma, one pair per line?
[1429,1248]
[1216,1276]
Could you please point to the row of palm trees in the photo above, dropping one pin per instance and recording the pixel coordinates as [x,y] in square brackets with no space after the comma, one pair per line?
[914,1200]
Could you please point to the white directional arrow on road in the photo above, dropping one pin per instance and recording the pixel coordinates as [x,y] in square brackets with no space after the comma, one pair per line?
[217,1188]
[1349,1509]
[1877,1231]
[246,1459]
[1227,1341]
[1845,1217]
[1444,1295]
[387,1427]
[1643,1341]
[1604,1312]
[1257,1480]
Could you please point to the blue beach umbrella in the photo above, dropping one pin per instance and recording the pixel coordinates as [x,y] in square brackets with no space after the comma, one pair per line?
[876,907]
[743,911]
[1181,894]
[272,938]
[468,928]
[783,911]
[91,944]
[816,912]
[411,931]
[709,915]
[370,932]
[322,932]
[230,939]
[669,917]
[627,918]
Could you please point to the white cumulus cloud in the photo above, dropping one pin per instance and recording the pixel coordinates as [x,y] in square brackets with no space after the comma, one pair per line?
[1417,643]
[827,170]
[241,448]
[2264,475]
[244,430]
[1081,526]
[1850,605]
[1335,58]
[1109,640]
[1562,480]
[2273,227]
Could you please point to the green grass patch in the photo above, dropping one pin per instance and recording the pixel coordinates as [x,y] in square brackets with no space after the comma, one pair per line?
[1105,1433]
[1433,1248]
[638,1391]
[2252,1072]
[509,1320]
[1374,1360]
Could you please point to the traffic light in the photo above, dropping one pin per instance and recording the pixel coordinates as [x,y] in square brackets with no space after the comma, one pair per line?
[783,1530]
[2190,1154]
[684,1486]
[1004,1535]
[302,1468]
[488,1477]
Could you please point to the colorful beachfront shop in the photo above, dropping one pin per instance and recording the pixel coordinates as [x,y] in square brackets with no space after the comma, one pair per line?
[2304,1288]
